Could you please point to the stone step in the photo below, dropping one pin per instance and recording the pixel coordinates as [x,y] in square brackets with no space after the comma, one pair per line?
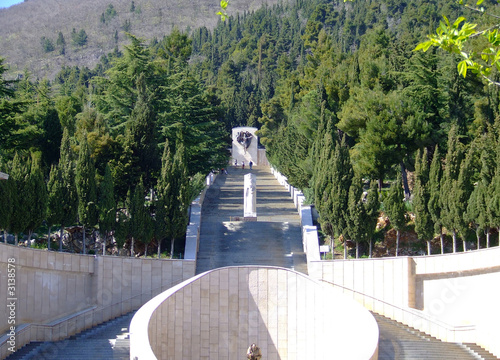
[107,341]
[484,354]
[399,341]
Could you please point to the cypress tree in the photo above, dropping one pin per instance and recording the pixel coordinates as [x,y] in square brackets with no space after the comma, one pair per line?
[173,194]
[322,179]
[107,207]
[342,174]
[476,210]
[162,221]
[19,172]
[494,196]
[178,213]
[7,196]
[38,207]
[423,219]
[149,230]
[372,207]
[121,229]
[434,205]
[395,208]
[489,166]
[86,188]
[462,190]
[356,219]
[137,214]
[69,200]
[451,172]
[55,199]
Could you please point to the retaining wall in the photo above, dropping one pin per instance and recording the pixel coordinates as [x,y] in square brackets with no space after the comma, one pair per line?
[57,295]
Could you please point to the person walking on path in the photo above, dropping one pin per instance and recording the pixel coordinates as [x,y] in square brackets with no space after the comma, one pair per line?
[250,164]
[243,164]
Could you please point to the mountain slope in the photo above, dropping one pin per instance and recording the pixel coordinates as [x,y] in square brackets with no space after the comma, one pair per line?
[23,26]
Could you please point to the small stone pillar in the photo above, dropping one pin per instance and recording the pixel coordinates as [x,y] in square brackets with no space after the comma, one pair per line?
[250,198]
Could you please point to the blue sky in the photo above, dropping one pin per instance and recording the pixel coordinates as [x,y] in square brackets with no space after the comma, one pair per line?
[7,3]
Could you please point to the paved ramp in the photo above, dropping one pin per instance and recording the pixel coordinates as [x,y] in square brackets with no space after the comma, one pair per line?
[274,239]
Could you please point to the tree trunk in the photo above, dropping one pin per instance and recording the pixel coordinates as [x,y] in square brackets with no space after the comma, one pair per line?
[61,233]
[405,181]
[159,248]
[104,243]
[441,240]
[357,249]
[5,236]
[465,245]
[345,249]
[16,239]
[428,247]
[172,248]
[454,241]
[84,250]
[398,235]
[487,233]
[370,249]
[48,239]
[478,237]
[145,250]
[30,232]
[380,184]
[132,247]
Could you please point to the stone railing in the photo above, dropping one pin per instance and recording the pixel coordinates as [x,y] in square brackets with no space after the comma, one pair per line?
[193,229]
[218,314]
[414,318]
[310,240]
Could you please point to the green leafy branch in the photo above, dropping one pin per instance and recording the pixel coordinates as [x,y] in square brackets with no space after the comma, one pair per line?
[454,38]
[222,13]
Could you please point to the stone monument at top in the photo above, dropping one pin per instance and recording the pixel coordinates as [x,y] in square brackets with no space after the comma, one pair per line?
[245,145]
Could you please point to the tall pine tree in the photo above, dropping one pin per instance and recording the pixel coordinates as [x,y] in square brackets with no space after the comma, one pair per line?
[107,207]
[423,219]
[55,200]
[69,200]
[434,205]
[38,208]
[372,208]
[86,188]
[394,207]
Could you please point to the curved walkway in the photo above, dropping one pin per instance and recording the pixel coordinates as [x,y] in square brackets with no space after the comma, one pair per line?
[275,239]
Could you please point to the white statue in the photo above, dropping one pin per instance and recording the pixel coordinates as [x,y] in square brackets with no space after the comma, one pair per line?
[250,197]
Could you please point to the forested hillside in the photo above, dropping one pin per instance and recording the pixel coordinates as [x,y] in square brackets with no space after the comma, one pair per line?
[342,102]
[43,35]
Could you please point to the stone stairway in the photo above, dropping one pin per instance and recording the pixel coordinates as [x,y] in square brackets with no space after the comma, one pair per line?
[398,341]
[107,341]
[275,239]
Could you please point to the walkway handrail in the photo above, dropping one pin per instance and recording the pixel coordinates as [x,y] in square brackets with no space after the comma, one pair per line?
[413,312]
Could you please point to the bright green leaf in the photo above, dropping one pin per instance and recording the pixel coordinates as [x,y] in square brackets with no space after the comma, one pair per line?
[462,68]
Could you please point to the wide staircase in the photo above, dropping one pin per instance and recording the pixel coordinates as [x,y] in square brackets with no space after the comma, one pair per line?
[108,341]
[275,239]
[398,341]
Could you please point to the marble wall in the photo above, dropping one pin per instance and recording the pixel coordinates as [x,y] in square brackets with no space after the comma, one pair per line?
[219,314]
[55,289]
